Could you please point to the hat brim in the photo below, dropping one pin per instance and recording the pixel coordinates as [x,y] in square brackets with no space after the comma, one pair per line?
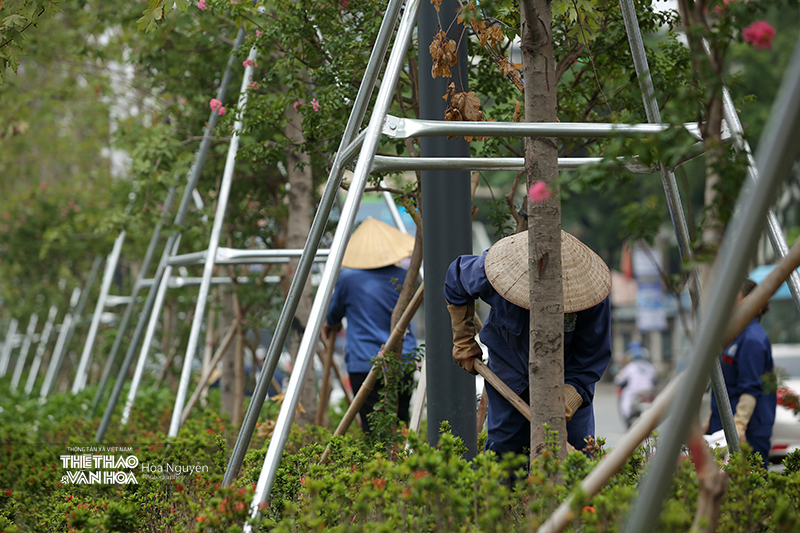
[586,279]
[375,244]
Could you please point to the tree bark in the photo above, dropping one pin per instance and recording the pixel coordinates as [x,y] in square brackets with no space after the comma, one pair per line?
[708,68]
[546,358]
[227,381]
[298,228]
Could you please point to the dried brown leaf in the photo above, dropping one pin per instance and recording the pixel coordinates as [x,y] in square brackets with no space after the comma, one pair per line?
[517,112]
[443,53]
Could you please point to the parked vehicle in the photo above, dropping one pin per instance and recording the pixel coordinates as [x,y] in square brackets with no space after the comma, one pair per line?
[786,431]
[782,324]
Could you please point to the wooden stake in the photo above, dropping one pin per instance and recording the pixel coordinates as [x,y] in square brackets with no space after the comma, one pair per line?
[392,344]
[325,389]
[226,341]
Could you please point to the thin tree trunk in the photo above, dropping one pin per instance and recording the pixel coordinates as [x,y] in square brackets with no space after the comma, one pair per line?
[546,358]
[238,369]
[228,378]
[298,227]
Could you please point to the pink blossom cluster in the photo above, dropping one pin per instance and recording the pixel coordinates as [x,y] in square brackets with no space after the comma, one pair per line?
[314,104]
[249,63]
[216,105]
[539,192]
[253,86]
[201,5]
[71,206]
[760,34]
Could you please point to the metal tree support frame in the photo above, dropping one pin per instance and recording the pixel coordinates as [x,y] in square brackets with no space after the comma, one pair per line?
[776,152]
[8,345]
[171,247]
[108,276]
[346,147]
[367,142]
[71,319]
[137,286]
[216,230]
[341,236]
[40,349]
[23,351]
[676,208]
[64,330]
[44,338]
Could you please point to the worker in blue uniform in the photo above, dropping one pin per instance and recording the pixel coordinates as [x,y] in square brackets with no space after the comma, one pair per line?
[499,277]
[365,295]
[745,363]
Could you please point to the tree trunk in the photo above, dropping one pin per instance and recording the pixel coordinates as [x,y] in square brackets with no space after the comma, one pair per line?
[237,415]
[708,68]
[546,358]
[227,380]
[298,227]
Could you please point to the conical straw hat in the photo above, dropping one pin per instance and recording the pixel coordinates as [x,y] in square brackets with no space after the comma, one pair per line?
[375,244]
[585,277]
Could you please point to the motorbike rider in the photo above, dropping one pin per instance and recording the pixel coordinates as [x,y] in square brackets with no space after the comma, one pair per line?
[636,381]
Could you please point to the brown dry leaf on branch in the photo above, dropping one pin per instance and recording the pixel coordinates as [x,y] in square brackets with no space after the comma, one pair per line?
[437,4]
[462,106]
[443,53]
[511,71]
[517,111]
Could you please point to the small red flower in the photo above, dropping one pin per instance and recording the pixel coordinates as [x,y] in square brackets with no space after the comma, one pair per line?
[539,192]
[760,34]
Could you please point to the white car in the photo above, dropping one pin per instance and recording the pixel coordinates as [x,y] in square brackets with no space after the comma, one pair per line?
[786,431]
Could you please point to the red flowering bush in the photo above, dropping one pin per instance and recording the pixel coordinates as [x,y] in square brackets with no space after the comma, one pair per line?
[789,399]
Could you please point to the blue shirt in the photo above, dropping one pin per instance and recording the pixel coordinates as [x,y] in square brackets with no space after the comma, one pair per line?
[744,364]
[587,340]
[367,298]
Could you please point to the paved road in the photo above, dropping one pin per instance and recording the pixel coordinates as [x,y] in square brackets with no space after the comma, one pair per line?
[608,422]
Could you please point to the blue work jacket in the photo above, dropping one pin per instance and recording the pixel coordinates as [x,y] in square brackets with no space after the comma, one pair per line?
[367,298]
[745,362]
[587,344]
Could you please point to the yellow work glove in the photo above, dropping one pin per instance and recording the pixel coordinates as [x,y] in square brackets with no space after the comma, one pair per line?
[465,347]
[744,411]
[572,400]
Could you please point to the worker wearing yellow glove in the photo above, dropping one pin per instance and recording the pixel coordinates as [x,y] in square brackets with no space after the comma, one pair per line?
[499,277]
[746,362]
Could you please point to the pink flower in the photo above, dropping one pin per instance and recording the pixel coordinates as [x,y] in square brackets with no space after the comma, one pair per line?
[296,104]
[201,5]
[258,33]
[254,86]
[249,63]
[539,192]
[216,105]
[315,105]
[343,3]
[759,34]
